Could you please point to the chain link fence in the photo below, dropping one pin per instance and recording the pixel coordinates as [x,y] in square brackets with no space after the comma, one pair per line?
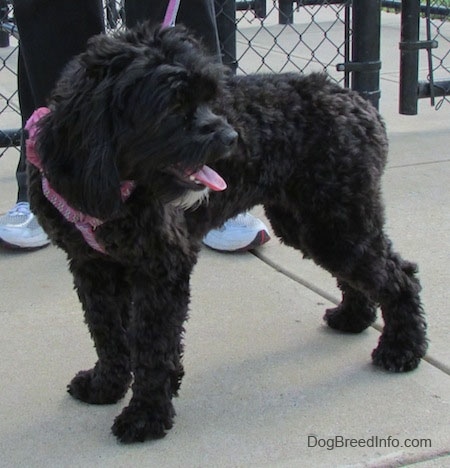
[437,29]
[288,36]
[9,103]
[270,36]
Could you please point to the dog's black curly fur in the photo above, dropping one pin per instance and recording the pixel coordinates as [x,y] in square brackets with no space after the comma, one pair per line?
[150,106]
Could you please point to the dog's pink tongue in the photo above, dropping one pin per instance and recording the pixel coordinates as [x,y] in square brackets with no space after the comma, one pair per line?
[210,179]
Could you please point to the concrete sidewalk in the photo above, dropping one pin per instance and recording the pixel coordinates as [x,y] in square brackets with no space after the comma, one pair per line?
[267,384]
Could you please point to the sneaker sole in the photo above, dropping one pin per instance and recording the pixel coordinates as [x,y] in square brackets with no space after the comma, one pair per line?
[36,246]
[261,238]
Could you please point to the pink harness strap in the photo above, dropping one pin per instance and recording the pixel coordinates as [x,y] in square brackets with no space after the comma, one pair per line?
[171,13]
[86,224]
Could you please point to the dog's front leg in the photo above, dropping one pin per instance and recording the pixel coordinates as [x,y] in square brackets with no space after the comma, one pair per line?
[160,303]
[106,300]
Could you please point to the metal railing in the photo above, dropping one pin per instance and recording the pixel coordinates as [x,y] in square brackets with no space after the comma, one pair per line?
[434,18]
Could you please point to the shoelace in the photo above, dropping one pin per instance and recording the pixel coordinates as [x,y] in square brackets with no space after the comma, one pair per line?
[21,209]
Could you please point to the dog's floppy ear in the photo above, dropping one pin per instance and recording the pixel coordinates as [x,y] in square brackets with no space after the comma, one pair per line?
[75,147]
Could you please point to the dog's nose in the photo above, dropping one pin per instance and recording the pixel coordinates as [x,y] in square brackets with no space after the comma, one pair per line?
[229,137]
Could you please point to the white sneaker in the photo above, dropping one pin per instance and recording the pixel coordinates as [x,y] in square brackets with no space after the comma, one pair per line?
[19,228]
[244,232]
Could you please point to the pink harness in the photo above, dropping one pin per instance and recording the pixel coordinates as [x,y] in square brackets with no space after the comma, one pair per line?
[86,224]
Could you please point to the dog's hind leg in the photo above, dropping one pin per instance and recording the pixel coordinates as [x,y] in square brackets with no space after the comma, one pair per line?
[380,274]
[105,299]
[354,314]
[369,272]
[160,305]
[356,311]
[403,341]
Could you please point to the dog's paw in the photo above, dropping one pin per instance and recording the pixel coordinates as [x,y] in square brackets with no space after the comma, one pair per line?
[138,423]
[344,320]
[90,387]
[394,358]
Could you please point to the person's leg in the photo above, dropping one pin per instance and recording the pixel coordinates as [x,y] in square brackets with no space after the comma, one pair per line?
[198,15]
[26,101]
[19,227]
[51,33]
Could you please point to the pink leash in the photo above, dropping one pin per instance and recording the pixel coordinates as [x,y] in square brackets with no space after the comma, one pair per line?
[171,13]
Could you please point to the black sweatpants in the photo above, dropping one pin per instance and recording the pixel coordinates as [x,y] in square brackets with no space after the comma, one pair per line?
[53,31]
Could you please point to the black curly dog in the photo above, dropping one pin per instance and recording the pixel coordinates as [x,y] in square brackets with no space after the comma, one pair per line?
[149,106]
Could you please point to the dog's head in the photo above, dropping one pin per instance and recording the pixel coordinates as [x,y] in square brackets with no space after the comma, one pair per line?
[136,105]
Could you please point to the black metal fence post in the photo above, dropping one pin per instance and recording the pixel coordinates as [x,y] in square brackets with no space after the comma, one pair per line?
[409,57]
[285,11]
[366,62]
[4,36]
[226,25]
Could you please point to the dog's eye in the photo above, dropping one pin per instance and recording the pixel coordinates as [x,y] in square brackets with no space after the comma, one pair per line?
[183,110]
[187,122]
[188,116]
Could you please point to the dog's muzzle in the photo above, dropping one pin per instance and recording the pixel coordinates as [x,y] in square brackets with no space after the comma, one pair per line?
[228,138]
